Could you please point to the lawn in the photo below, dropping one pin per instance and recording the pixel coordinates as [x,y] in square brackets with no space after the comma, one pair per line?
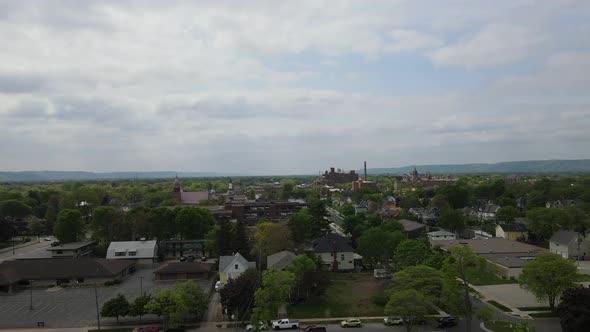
[499,326]
[348,295]
[489,277]
[499,306]
[582,277]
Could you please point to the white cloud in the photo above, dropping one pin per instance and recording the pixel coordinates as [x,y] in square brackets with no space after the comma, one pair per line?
[410,40]
[495,44]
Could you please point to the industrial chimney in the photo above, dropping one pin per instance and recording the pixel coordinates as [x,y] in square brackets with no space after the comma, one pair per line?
[365,171]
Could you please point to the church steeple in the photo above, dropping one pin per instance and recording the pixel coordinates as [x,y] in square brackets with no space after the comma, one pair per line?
[177,190]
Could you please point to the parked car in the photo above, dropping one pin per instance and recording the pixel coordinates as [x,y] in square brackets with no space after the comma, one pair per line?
[285,323]
[148,329]
[47,239]
[55,244]
[314,329]
[351,322]
[261,326]
[190,258]
[182,259]
[445,322]
[203,258]
[392,320]
[218,285]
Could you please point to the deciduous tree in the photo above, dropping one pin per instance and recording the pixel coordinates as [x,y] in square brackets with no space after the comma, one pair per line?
[68,226]
[410,305]
[547,276]
[377,246]
[574,309]
[276,287]
[115,307]
[410,253]
[453,220]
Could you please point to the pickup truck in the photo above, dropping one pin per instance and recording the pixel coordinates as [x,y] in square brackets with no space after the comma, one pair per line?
[285,324]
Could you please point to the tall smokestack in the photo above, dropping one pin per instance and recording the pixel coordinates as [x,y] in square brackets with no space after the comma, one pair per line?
[365,171]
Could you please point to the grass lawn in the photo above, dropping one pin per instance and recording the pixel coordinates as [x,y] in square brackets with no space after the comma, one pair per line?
[499,326]
[582,277]
[534,308]
[490,278]
[348,295]
[543,315]
[499,306]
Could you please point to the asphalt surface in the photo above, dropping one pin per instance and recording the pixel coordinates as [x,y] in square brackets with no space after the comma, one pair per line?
[75,307]
[33,250]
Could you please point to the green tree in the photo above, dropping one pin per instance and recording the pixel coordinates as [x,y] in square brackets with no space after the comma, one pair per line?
[457,195]
[236,293]
[547,276]
[453,220]
[377,246]
[507,214]
[546,221]
[410,305]
[68,226]
[410,253]
[103,222]
[240,238]
[193,298]
[390,225]
[36,227]
[276,287]
[137,308]
[302,225]
[212,242]
[161,222]
[523,326]
[465,265]
[13,209]
[574,309]
[353,221]
[115,307]
[169,305]
[271,238]
[301,267]
[424,279]
[224,239]
[347,210]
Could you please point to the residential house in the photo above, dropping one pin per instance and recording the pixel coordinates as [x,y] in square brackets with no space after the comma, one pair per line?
[51,272]
[507,256]
[280,260]
[570,244]
[143,252]
[184,271]
[412,229]
[231,267]
[427,215]
[335,252]
[441,235]
[560,204]
[487,212]
[361,207]
[514,232]
[73,249]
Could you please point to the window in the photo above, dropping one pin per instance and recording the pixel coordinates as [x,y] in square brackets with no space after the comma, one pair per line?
[119,253]
[80,280]
[133,253]
[342,257]
[236,266]
[59,252]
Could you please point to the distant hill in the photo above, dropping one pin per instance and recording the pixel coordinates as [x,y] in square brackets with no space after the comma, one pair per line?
[510,167]
[54,176]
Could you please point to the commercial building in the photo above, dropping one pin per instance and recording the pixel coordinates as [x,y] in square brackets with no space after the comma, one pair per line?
[249,212]
[73,249]
[184,271]
[142,252]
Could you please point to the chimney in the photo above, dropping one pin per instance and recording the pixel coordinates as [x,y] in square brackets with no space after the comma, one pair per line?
[365,171]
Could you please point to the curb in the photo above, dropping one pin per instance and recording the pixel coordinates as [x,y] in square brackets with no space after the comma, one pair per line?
[483,327]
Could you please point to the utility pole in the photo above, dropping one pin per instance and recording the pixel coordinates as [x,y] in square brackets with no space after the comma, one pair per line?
[97,313]
[140,286]
[31,285]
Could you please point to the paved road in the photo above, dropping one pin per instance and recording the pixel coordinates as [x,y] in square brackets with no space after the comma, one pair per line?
[213,308]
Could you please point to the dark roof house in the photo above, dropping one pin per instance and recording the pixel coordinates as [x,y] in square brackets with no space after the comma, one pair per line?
[280,260]
[332,242]
[184,271]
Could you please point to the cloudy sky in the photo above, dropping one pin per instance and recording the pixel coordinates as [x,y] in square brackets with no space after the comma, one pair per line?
[283,87]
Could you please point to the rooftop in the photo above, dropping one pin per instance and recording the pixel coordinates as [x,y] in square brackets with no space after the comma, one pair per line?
[72,245]
[490,246]
[185,267]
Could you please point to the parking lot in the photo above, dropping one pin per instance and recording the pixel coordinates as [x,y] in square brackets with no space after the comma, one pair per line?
[74,307]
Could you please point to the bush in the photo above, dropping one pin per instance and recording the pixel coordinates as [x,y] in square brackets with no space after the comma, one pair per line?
[499,306]
[112,282]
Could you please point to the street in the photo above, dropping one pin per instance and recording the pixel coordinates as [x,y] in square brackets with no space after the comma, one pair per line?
[33,250]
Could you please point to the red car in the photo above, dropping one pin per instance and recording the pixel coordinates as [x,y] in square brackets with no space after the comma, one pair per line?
[148,329]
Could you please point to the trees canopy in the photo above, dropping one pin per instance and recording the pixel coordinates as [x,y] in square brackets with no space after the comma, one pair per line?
[237,293]
[276,287]
[547,276]
[271,238]
[453,220]
[174,305]
[408,304]
[464,265]
[115,307]
[546,221]
[507,214]
[377,246]
[574,309]
[68,226]
[410,253]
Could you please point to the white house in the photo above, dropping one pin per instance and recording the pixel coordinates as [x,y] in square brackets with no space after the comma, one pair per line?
[336,253]
[230,267]
[441,235]
[570,244]
[143,252]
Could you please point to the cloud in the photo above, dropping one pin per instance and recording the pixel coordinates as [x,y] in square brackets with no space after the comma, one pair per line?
[496,44]
[409,40]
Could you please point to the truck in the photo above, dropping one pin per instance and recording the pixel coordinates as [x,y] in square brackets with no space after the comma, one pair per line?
[285,323]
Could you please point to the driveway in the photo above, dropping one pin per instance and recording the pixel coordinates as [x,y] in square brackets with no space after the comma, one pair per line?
[74,307]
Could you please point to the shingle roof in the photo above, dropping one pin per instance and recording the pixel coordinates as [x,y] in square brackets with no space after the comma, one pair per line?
[184,267]
[491,245]
[513,227]
[61,268]
[441,232]
[563,236]
[227,261]
[331,242]
[410,225]
[280,260]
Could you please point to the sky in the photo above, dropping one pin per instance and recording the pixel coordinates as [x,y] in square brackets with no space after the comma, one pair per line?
[291,87]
